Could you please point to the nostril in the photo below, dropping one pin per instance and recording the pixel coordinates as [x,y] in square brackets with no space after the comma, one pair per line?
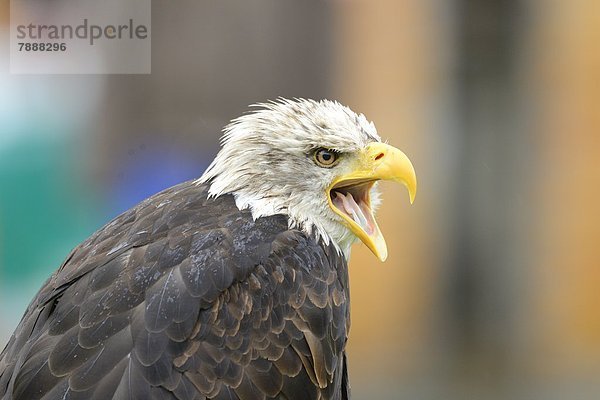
[379,156]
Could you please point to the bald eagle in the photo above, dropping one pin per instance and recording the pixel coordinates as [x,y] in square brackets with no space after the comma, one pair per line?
[232,286]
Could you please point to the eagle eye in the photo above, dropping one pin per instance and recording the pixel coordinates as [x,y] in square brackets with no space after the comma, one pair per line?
[326,158]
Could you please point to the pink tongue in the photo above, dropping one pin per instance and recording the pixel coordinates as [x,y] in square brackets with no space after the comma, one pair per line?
[360,215]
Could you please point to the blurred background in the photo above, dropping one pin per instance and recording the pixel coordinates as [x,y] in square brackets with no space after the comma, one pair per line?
[492,287]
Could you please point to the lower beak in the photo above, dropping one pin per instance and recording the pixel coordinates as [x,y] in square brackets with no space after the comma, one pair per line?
[349,194]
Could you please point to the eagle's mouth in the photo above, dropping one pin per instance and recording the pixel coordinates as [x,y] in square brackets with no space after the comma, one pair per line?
[349,193]
[353,201]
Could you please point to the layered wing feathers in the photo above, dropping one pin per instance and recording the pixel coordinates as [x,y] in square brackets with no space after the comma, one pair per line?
[183,297]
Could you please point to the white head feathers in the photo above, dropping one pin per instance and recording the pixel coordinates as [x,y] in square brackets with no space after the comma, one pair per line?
[267,163]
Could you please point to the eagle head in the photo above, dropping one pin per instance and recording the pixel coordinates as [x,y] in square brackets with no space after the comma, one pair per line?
[317,162]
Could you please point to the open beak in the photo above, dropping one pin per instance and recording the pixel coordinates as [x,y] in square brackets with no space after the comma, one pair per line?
[349,194]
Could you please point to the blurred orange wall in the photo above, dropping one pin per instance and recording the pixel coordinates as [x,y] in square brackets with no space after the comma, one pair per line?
[385,48]
[565,70]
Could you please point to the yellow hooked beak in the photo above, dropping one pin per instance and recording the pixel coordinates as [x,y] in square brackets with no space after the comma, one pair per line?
[349,194]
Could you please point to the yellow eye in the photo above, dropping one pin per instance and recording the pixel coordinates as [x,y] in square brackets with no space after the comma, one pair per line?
[326,158]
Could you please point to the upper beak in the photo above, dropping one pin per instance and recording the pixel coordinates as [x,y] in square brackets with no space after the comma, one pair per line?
[377,161]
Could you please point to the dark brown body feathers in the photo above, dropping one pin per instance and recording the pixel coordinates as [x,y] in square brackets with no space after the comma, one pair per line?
[184,297]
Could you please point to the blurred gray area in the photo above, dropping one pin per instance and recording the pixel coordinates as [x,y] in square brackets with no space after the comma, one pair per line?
[483,280]
[210,60]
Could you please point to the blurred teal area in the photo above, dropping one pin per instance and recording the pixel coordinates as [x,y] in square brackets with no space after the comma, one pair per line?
[46,208]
